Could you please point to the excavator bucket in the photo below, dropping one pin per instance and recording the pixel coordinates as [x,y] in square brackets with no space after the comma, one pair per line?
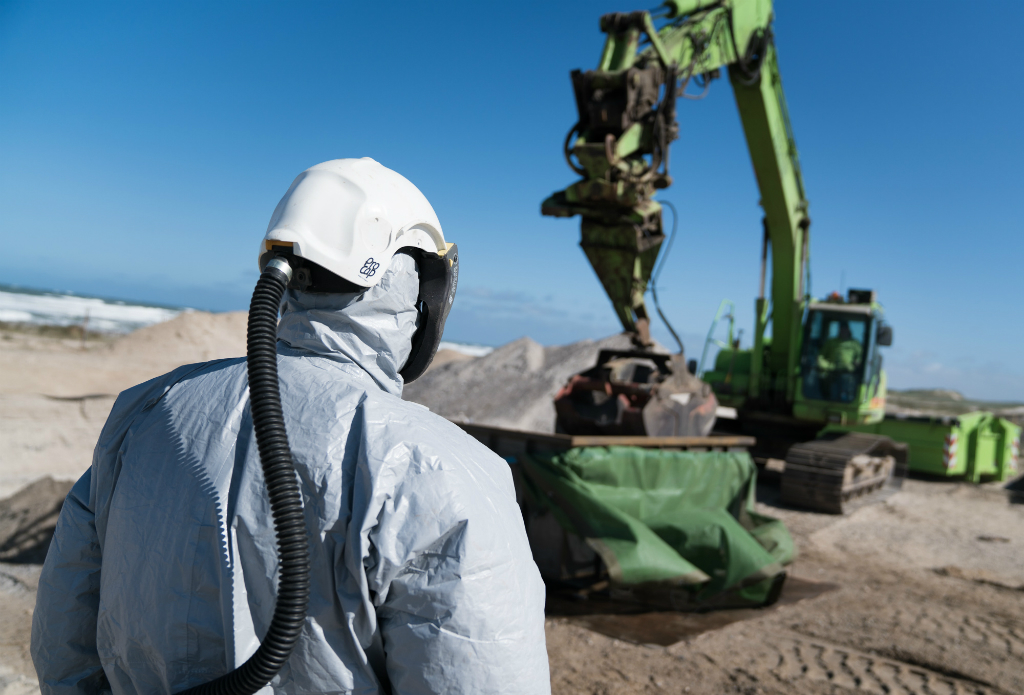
[636,393]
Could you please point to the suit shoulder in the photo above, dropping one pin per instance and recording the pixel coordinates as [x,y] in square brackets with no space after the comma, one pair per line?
[135,400]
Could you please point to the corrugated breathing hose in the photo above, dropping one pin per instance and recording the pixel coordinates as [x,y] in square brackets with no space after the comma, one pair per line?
[282,488]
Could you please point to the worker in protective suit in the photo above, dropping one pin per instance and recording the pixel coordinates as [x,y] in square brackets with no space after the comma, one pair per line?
[840,356]
[161,572]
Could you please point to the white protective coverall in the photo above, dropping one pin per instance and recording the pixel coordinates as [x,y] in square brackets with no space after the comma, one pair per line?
[162,569]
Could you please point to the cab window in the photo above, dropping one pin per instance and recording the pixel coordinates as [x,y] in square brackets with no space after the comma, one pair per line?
[834,353]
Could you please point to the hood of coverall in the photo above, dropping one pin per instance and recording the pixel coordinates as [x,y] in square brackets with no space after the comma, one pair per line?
[371,329]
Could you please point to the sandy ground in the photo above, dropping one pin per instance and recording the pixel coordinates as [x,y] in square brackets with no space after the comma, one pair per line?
[921,593]
[55,395]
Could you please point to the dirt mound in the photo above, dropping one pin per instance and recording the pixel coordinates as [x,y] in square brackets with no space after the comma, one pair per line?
[28,518]
[195,336]
[445,356]
[514,386]
[35,364]
[943,402]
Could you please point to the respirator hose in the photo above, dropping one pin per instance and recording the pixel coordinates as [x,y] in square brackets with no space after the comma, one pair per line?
[282,489]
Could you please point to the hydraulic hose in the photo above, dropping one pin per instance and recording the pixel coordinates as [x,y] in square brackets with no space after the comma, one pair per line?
[657,272]
[282,489]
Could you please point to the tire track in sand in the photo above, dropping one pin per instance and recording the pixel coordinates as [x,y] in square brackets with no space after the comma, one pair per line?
[965,644]
[799,664]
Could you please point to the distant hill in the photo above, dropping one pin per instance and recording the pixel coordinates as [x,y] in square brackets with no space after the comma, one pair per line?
[946,402]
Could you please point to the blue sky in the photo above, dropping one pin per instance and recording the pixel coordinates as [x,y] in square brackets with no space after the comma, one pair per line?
[143,147]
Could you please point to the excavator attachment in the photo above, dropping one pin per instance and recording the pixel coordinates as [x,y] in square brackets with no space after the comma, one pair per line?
[619,146]
[636,393]
[623,257]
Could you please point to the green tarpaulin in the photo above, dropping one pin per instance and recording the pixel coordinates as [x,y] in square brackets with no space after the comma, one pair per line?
[672,527]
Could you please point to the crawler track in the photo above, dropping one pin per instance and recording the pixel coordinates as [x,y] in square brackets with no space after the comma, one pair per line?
[827,473]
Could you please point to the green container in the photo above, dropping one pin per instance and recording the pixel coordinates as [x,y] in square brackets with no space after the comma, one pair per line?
[972,446]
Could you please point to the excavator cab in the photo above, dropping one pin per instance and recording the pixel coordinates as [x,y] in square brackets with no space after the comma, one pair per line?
[832,364]
[840,371]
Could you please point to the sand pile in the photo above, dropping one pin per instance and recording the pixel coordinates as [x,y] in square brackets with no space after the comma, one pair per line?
[55,395]
[196,336]
[514,386]
[34,365]
[443,357]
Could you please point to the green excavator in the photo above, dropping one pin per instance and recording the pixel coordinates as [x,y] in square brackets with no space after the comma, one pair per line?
[815,366]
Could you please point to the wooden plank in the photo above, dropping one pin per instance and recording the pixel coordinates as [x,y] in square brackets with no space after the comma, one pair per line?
[665,442]
[507,441]
[488,434]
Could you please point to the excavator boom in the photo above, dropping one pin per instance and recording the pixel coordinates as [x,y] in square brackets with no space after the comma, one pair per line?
[620,148]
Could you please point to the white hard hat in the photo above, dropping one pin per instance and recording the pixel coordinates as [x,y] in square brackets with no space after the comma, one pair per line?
[350,216]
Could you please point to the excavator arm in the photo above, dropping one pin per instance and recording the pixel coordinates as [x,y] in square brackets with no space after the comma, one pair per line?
[620,148]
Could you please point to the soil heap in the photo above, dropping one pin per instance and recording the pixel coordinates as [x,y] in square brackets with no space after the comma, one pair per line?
[514,386]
